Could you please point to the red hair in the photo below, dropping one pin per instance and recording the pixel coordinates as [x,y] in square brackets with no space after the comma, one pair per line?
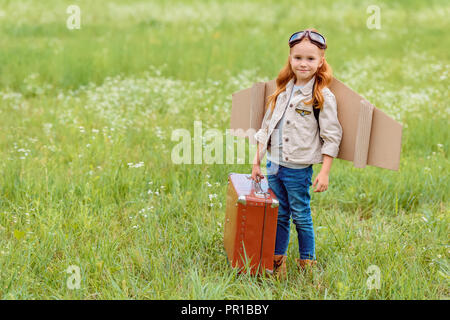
[324,75]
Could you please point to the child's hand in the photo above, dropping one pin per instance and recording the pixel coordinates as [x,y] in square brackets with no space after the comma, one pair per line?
[321,181]
[256,173]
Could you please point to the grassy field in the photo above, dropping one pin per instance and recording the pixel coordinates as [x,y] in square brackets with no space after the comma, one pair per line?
[86,177]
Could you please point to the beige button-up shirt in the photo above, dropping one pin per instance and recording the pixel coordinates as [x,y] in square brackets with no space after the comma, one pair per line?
[301,141]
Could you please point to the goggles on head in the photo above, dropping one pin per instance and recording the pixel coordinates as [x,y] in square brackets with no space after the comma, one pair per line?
[315,37]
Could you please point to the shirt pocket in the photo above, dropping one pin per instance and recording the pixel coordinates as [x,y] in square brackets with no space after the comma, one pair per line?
[304,114]
[304,122]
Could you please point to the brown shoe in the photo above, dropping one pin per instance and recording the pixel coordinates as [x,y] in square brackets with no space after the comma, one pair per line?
[279,266]
[306,263]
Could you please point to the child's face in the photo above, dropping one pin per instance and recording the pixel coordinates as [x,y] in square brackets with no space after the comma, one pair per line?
[305,59]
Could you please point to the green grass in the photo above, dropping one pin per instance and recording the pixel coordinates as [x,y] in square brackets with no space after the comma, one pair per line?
[79,109]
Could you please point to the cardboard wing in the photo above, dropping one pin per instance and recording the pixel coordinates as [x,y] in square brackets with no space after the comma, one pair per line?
[369,136]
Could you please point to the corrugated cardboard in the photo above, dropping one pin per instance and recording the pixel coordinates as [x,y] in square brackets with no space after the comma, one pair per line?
[369,136]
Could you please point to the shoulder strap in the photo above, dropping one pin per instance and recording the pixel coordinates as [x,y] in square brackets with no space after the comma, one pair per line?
[316,110]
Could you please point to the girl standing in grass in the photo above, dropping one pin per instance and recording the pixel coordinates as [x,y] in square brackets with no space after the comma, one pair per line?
[295,140]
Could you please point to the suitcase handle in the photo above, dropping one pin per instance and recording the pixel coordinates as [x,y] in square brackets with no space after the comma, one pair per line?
[258,189]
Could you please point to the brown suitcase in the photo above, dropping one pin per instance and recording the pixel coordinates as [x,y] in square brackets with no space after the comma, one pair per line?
[250,224]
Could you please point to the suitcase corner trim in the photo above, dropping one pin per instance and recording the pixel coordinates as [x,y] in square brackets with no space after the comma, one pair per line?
[242,199]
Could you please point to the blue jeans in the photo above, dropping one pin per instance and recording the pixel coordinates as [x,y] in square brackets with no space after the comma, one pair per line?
[291,187]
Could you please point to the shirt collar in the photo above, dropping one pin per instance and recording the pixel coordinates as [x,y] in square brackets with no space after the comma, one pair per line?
[307,88]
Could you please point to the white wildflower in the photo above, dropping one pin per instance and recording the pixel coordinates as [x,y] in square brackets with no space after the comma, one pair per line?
[137,165]
[212,196]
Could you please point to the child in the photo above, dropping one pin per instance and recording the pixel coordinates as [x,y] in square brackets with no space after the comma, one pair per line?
[295,140]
